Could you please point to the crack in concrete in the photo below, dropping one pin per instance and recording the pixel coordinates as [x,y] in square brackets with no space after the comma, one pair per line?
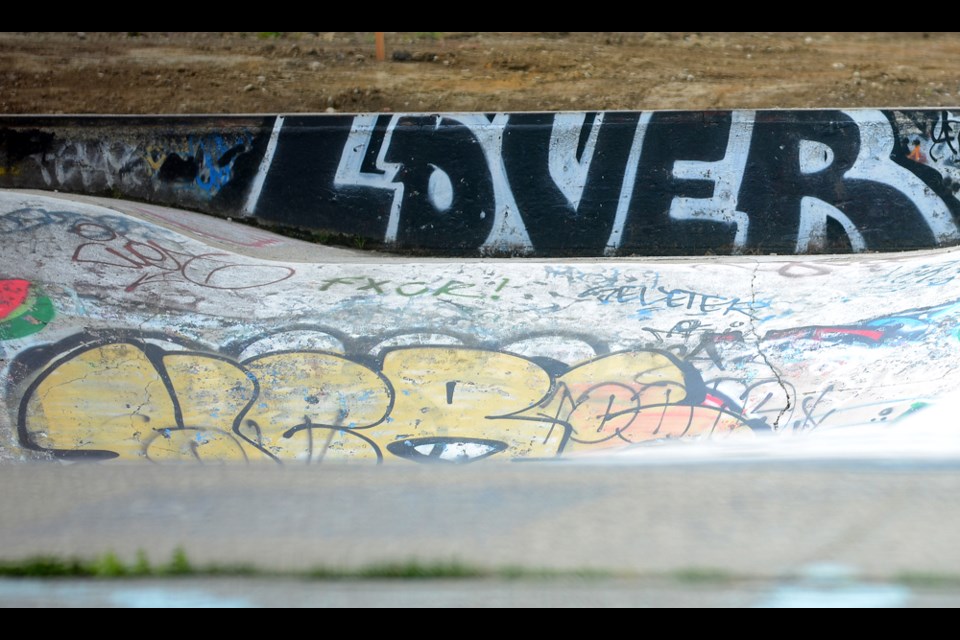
[766,360]
[104,366]
[148,400]
[49,390]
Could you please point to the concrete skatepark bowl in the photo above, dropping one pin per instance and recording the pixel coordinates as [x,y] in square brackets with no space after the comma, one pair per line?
[135,331]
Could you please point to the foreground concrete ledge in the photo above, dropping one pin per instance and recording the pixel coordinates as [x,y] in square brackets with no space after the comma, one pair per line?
[130,332]
[542,184]
[749,521]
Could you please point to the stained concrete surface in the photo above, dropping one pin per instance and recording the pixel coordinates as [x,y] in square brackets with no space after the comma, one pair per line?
[759,520]
[751,520]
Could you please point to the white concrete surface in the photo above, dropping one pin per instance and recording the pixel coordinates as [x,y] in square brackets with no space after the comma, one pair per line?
[298,353]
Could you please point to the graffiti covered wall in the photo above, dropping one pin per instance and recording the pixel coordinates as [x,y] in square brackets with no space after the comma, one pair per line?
[547,184]
[121,339]
[200,163]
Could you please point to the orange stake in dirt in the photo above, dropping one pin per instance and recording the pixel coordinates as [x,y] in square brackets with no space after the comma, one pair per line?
[381,47]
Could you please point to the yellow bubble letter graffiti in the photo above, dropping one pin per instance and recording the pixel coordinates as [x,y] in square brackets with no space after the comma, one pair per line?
[457,405]
[132,400]
[313,405]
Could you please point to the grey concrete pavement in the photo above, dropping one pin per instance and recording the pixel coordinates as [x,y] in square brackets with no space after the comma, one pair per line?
[862,392]
[877,520]
[567,593]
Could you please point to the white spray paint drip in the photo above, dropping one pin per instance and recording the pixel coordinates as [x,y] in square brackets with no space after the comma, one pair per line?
[629,179]
[812,230]
[440,189]
[874,163]
[254,196]
[350,170]
[567,172]
[726,174]
[832,586]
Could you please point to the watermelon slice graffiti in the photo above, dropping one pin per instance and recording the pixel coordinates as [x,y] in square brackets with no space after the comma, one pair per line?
[23,310]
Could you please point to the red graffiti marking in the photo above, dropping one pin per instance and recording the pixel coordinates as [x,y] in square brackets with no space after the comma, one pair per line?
[828,333]
[715,401]
[211,270]
[12,295]
[729,336]
[870,334]
[917,156]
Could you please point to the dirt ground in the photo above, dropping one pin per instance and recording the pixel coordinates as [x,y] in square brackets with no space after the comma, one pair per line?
[264,72]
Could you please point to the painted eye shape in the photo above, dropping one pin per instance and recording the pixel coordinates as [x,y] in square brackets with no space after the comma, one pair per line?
[446,450]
